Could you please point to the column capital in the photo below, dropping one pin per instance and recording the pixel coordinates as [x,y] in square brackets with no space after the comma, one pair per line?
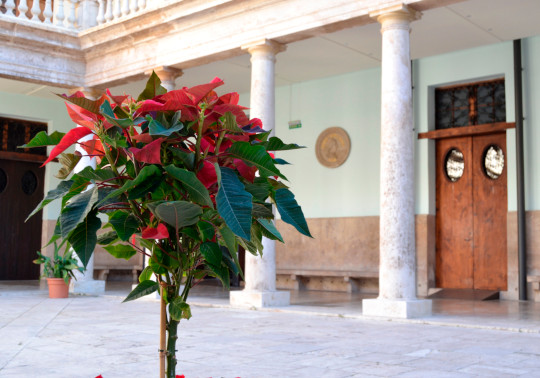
[264,46]
[396,16]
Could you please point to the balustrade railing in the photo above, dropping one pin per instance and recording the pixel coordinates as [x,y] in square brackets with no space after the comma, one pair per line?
[71,14]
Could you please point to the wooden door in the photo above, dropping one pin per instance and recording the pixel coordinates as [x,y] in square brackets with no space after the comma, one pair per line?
[471,200]
[21,190]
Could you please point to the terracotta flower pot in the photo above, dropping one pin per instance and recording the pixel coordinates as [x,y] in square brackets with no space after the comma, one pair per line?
[58,288]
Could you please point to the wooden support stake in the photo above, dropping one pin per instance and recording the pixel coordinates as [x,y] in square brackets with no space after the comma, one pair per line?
[162,339]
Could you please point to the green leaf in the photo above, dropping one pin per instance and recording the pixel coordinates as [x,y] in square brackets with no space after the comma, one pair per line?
[125,224]
[148,178]
[256,237]
[187,158]
[146,182]
[68,162]
[153,88]
[229,262]
[206,230]
[211,253]
[42,139]
[178,213]
[260,189]
[229,239]
[255,155]
[221,272]
[281,161]
[121,251]
[275,144]
[290,211]
[156,128]
[142,289]
[262,210]
[83,239]
[229,123]
[76,210]
[79,185]
[233,202]
[106,110]
[102,174]
[146,274]
[60,190]
[114,136]
[194,187]
[271,230]
[178,309]
[107,238]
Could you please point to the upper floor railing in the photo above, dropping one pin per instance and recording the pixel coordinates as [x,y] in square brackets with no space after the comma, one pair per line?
[72,14]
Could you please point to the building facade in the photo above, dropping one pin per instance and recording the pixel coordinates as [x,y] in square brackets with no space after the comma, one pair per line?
[412,179]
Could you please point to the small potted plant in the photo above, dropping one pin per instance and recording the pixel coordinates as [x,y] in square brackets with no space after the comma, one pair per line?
[59,269]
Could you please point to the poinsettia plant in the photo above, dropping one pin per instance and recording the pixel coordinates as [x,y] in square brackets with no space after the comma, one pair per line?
[183,177]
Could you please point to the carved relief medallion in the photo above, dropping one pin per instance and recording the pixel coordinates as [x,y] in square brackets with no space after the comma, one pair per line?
[333,147]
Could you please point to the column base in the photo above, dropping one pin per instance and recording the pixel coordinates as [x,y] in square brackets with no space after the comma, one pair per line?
[259,299]
[405,309]
[90,287]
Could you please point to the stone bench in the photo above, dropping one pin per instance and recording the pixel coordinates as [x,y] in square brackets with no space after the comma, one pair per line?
[535,280]
[349,277]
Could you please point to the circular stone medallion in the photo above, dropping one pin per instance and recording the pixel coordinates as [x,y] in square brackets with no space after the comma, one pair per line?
[333,147]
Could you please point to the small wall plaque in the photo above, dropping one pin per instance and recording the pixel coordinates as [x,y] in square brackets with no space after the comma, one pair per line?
[333,147]
[295,124]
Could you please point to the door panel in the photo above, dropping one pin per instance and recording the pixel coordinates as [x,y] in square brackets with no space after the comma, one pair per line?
[454,263]
[490,210]
[471,250]
[21,190]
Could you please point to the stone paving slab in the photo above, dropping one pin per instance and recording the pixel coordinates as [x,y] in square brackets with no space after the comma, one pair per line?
[86,336]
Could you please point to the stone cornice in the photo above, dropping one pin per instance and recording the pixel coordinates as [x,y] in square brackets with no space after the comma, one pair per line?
[178,34]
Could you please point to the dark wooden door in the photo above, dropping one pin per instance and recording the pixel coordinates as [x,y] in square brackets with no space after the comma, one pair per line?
[471,250]
[21,190]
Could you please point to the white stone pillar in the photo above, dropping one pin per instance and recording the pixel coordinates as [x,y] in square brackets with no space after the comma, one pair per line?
[397,271]
[167,75]
[260,272]
[85,283]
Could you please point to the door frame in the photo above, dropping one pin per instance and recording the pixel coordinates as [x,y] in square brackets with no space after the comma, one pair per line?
[430,259]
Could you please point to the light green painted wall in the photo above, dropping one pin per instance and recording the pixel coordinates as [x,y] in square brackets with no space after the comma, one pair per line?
[346,101]
[51,111]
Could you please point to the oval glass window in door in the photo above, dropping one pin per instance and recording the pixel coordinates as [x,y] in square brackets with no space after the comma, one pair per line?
[29,182]
[493,162]
[454,164]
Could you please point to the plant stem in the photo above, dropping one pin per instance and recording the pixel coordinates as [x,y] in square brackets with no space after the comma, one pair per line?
[199,137]
[171,347]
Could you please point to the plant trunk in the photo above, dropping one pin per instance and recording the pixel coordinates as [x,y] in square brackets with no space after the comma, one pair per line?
[171,347]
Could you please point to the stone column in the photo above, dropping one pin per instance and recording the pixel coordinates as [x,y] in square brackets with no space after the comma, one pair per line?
[167,75]
[260,273]
[397,271]
[85,283]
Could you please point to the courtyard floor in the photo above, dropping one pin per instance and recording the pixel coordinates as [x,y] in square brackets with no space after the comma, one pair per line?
[321,334]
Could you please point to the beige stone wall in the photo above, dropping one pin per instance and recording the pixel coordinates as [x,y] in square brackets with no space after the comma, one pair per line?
[348,244]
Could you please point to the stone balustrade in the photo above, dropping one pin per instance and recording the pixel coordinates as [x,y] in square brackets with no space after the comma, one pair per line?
[72,14]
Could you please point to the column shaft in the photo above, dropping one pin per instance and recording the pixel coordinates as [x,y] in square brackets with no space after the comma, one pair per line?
[397,246]
[397,272]
[260,272]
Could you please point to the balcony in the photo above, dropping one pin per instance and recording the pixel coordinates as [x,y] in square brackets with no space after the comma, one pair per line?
[75,14]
